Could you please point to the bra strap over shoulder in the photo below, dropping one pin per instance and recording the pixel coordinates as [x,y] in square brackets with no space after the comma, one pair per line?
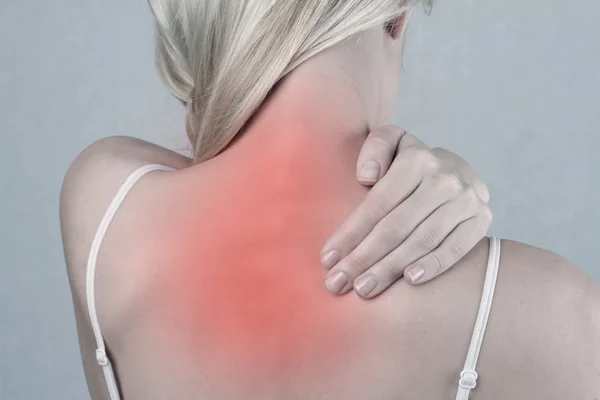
[101,356]
[468,376]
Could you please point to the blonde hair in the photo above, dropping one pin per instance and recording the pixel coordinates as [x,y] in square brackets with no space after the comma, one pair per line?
[222,57]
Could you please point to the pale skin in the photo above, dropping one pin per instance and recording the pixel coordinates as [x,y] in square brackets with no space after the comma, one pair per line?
[386,237]
[408,342]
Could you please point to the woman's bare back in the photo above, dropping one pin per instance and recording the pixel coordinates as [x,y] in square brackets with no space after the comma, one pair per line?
[209,287]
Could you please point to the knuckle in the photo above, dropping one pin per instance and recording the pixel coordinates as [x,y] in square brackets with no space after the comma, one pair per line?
[458,248]
[452,183]
[431,238]
[393,229]
[379,205]
[471,197]
[414,153]
[484,192]
[389,271]
[356,263]
[429,160]
[487,215]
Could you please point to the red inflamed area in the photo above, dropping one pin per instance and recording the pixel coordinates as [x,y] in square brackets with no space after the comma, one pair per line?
[244,283]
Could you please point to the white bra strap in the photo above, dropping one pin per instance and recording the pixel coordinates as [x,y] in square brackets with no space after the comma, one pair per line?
[101,355]
[468,376]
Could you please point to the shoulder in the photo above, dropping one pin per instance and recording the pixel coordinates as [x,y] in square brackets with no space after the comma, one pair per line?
[544,280]
[104,164]
[553,308]
[97,172]
[112,157]
[90,184]
[544,318]
[523,268]
[546,269]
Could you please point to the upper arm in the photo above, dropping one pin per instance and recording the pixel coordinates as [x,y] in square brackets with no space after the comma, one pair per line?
[90,184]
[559,319]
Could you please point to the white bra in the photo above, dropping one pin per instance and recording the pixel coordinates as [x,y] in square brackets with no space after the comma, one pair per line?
[468,377]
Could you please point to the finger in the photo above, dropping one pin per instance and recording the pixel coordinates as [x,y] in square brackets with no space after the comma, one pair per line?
[465,170]
[413,164]
[377,153]
[380,150]
[423,240]
[389,192]
[440,224]
[452,249]
[379,202]
[391,231]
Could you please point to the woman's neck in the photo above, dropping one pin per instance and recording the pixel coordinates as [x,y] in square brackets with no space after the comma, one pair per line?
[316,103]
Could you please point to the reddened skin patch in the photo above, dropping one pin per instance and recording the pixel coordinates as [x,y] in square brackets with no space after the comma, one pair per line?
[241,285]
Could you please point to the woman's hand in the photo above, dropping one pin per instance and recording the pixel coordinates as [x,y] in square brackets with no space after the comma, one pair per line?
[426,210]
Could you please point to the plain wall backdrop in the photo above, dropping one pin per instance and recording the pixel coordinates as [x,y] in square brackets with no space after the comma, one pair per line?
[512,86]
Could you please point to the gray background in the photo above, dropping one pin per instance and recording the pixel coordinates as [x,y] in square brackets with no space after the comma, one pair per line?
[510,85]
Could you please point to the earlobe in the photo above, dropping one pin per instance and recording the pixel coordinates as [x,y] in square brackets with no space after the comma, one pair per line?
[395,27]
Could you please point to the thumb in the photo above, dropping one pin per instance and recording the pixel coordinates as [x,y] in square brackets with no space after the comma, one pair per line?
[377,153]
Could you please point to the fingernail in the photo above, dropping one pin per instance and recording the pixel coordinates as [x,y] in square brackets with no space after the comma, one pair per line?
[330,258]
[415,273]
[336,282]
[369,171]
[365,285]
